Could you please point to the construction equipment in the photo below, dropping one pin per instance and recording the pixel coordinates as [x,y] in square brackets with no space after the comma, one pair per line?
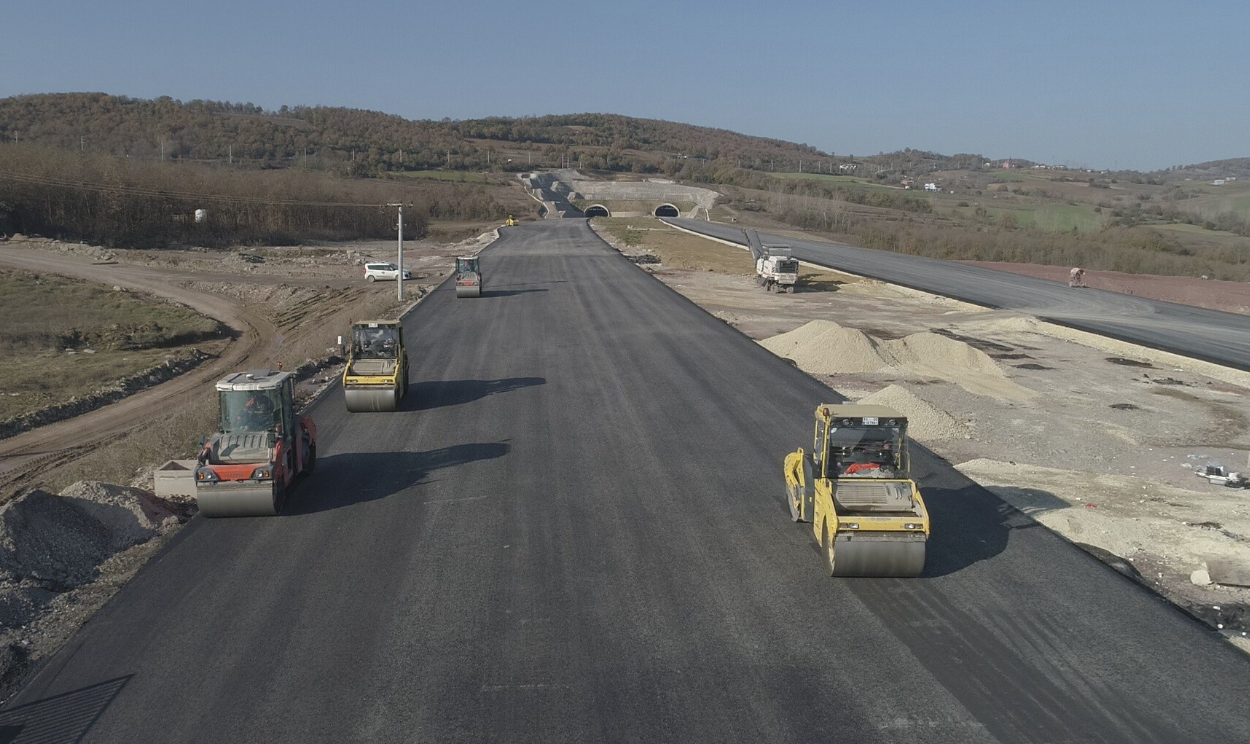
[855,489]
[1076,278]
[1222,476]
[776,270]
[246,468]
[511,221]
[468,276]
[376,375]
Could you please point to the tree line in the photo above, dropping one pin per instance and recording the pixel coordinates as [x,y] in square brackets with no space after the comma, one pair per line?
[123,202]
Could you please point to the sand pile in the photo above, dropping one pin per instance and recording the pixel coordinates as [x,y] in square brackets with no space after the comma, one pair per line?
[933,355]
[824,347]
[924,421]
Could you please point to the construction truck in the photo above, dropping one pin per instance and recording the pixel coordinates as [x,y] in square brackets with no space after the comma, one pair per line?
[376,375]
[1219,475]
[776,270]
[511,221]
[468,276]
[247,466]
[855,489]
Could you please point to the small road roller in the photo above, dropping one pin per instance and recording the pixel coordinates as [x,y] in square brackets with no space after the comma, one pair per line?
[376,375]
[247,466]
[855,489]
[468,276]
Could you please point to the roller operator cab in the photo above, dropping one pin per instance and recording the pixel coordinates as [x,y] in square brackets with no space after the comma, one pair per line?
[855,489]
[468,276]
[247,466]
[376,375]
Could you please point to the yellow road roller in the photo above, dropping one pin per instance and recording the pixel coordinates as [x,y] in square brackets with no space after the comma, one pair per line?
[376,375]
[855,489]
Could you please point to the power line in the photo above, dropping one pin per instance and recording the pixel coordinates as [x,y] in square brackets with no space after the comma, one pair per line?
[167,194]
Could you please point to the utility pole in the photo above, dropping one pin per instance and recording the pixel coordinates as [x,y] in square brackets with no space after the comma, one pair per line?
[82,143]
[399,280]
[230,153]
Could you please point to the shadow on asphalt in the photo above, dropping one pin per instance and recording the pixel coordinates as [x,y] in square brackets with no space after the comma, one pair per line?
[65,717]
[427,395]
[353,478]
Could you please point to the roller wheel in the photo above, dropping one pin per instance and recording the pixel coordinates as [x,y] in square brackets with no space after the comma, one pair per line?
[827,547]
[311,466]
[790,289]
[792,497]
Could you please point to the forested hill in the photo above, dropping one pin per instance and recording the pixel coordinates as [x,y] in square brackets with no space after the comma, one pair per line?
[369,142]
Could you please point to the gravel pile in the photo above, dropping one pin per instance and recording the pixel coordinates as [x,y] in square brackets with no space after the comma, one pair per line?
[825,348]
[933,355]
[925,422]
[59,542]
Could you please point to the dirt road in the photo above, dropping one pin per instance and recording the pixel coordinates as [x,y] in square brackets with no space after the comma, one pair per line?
[255,343]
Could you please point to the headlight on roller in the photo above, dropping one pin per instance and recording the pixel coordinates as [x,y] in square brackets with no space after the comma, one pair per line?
[205,475]
[262,473]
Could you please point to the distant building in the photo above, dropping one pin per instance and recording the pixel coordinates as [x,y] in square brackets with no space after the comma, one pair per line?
[1008,164]
[907,183]
[1218,182]
[930,187]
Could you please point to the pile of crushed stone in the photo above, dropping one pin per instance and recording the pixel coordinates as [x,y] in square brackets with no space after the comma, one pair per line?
[824,347]
[51,544]
[925,422]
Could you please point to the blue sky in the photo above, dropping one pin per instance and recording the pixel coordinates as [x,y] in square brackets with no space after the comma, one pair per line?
[1099,84]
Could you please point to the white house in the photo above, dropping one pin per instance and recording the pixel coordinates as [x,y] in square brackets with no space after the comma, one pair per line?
[930,187]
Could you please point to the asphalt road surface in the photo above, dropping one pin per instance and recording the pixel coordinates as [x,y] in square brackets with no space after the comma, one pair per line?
[1209,335]
[575,532]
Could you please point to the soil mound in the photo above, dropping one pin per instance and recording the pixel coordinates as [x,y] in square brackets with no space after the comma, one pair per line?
[826,348]
[924,421]
[59,542]
[934,355]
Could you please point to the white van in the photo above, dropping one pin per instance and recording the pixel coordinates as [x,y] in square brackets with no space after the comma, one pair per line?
[384,272]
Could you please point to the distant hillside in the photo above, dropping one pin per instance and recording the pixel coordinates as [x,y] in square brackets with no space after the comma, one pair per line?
[1212,170]
[369,143]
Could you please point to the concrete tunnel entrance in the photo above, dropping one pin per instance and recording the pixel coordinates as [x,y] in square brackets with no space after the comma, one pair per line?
[667,210]
[597,210]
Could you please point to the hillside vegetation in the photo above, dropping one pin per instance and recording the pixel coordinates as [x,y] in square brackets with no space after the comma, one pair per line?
[124,171]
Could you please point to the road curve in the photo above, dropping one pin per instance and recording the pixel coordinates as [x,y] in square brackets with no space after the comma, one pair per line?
[575,532]
[1209,335]
[255,343]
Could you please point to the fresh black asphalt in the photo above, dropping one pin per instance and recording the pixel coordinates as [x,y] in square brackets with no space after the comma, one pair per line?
[1209,335]
[575,532]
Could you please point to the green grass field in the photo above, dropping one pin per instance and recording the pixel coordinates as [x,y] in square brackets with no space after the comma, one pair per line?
[1050,218]
[45,314]
[1011,176]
